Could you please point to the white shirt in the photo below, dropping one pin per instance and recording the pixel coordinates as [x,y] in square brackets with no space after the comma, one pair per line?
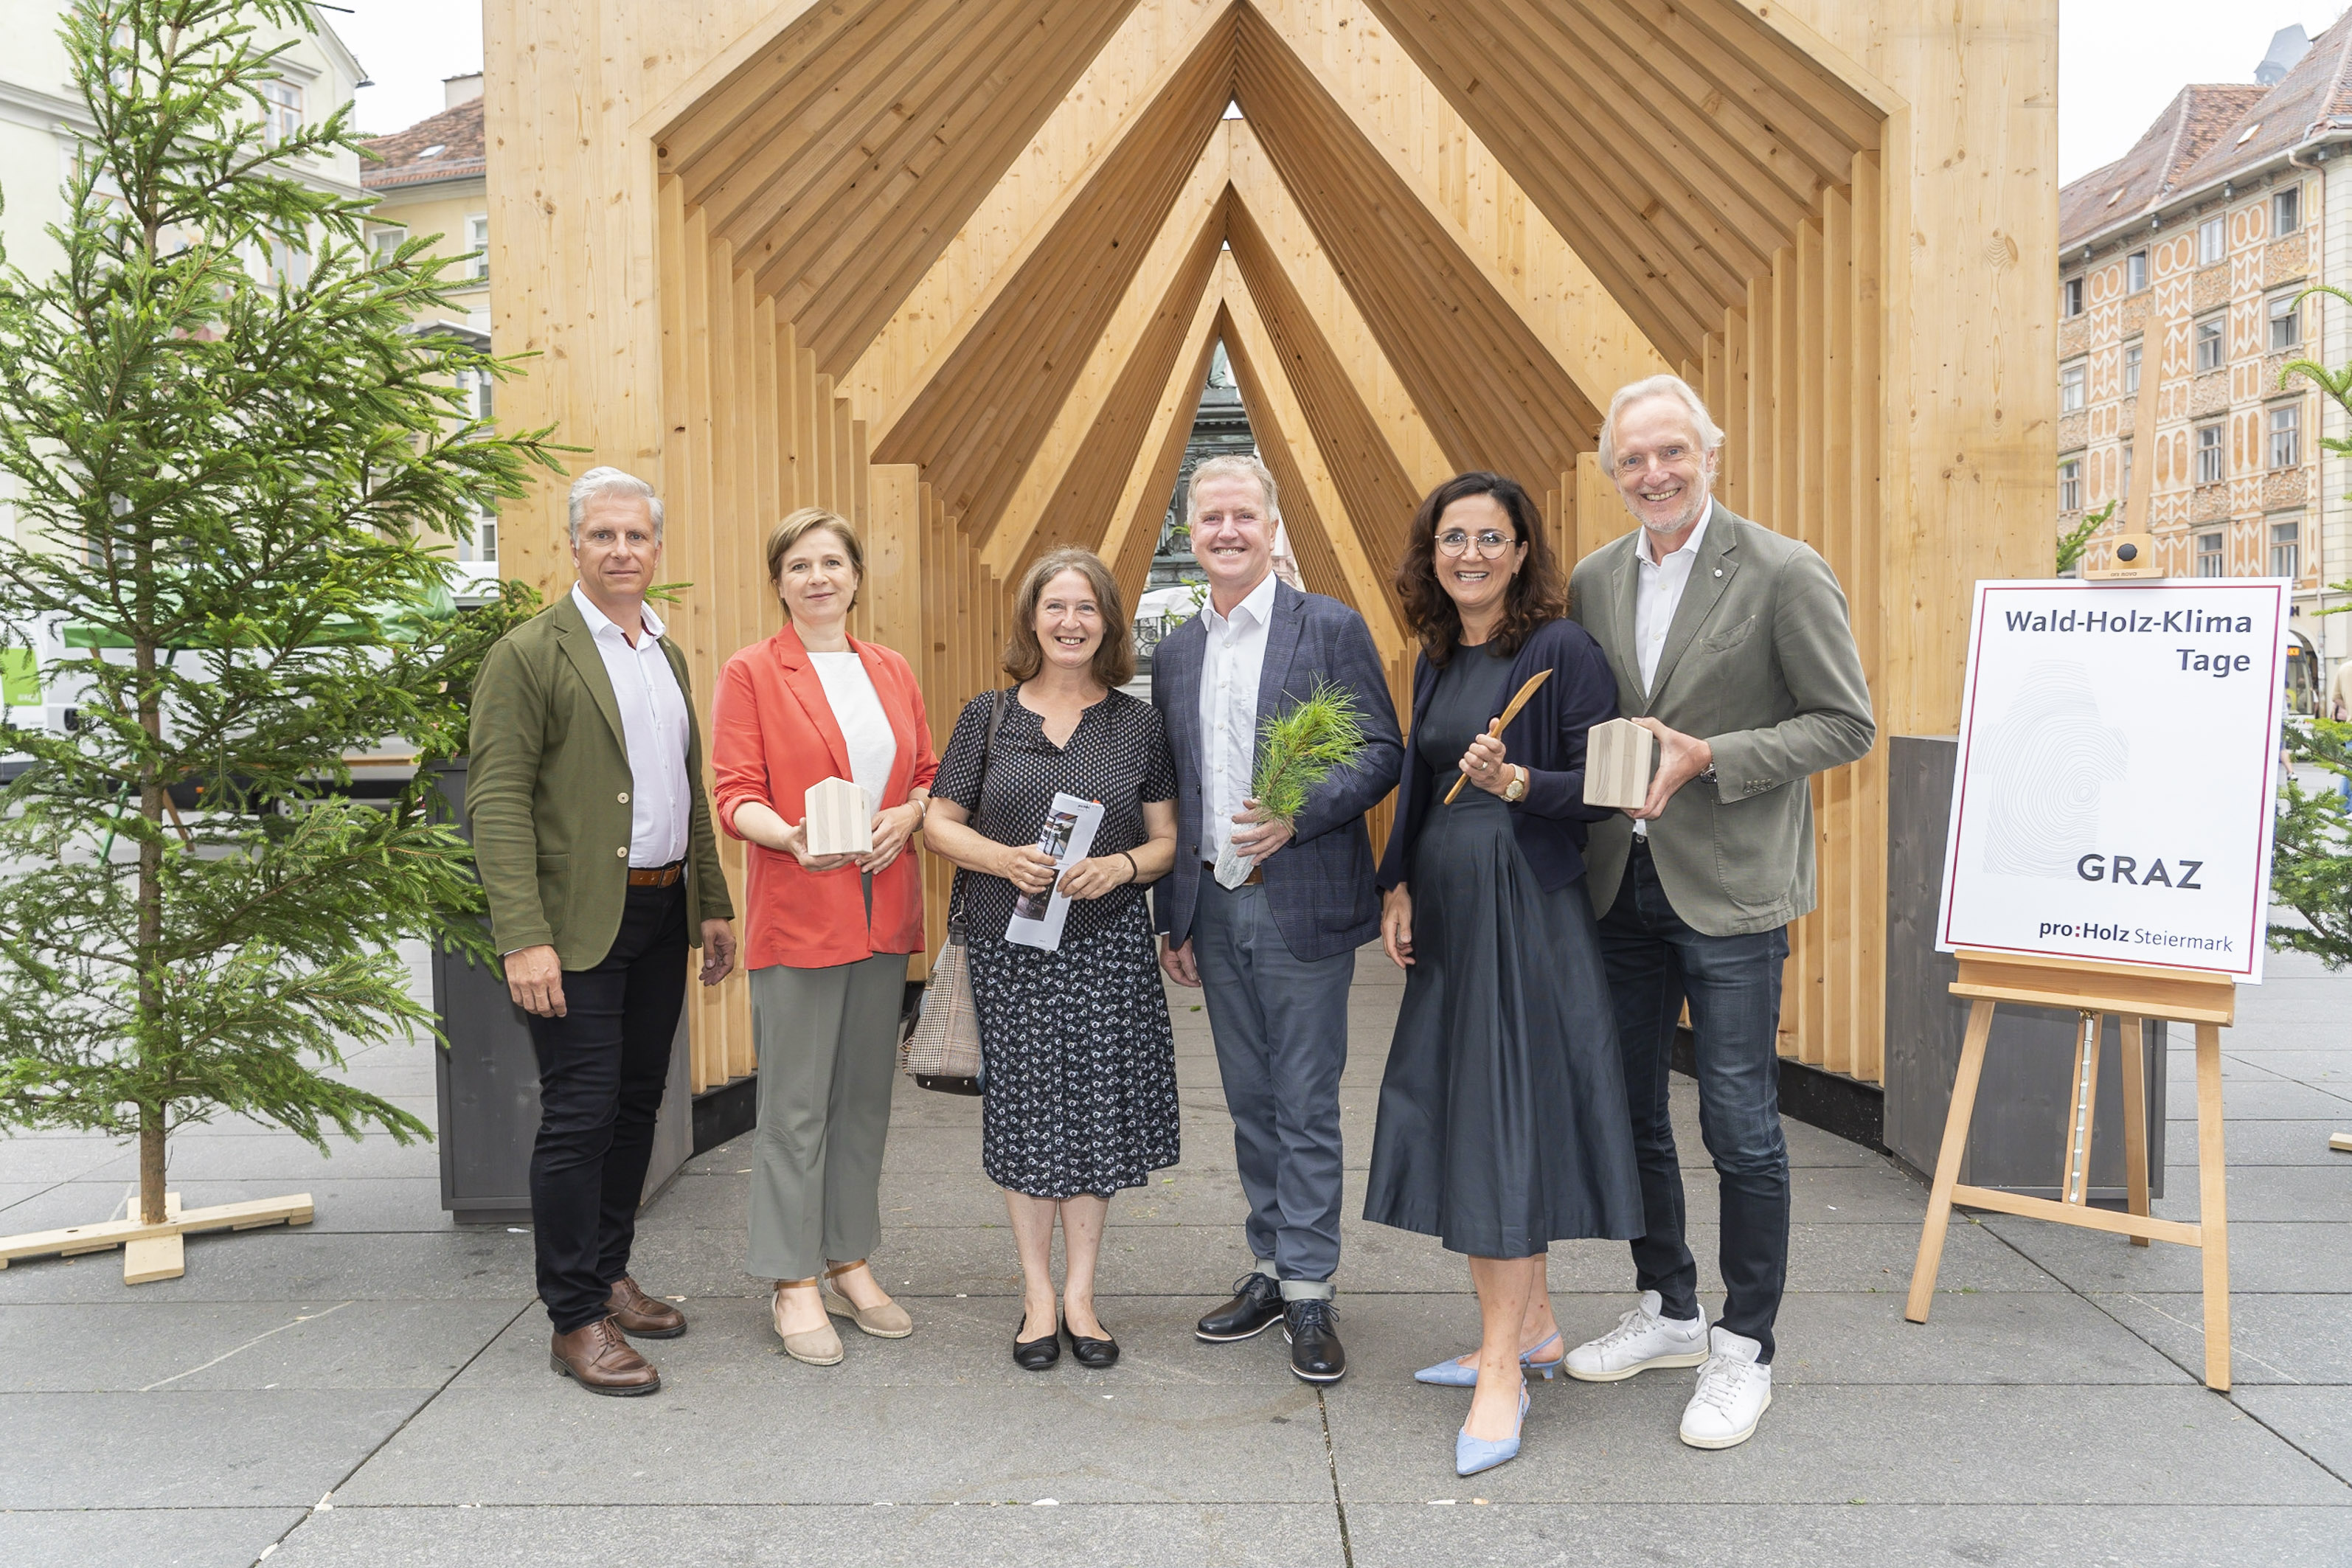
[1229,673]
[1657,598]
[857,709]
[653,731]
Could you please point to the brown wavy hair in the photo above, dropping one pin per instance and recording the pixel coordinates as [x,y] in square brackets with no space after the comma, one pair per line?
[1114,661]
[1536,594]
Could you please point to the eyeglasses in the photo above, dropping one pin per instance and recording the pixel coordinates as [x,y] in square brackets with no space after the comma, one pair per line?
[1491,543]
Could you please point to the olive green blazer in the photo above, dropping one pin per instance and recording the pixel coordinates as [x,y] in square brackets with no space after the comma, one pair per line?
[546,790]
[1759,661]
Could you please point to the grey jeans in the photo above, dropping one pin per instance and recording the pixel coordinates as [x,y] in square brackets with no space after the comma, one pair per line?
[828,1043]
[1281,1028]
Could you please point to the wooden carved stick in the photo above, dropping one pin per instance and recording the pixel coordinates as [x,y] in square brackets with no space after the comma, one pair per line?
[1499,725]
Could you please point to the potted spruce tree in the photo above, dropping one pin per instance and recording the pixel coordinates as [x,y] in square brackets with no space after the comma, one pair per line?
[228,472]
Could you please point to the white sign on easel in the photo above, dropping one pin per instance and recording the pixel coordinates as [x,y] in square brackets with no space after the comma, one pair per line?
[2118,751]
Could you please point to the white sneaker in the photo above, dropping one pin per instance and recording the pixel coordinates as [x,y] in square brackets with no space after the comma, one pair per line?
[1734,1392]
[1641,1340]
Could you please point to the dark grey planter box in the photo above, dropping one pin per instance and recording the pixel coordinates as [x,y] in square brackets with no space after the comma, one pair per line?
[485,1081]
[2017,1136]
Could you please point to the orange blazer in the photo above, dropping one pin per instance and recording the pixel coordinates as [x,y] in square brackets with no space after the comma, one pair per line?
[773,734]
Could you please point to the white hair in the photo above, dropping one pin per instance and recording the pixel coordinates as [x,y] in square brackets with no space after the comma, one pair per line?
[1237,465]
[1710,435]
[612,482]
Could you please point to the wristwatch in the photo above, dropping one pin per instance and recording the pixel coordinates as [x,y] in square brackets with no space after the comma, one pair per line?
[1518,789]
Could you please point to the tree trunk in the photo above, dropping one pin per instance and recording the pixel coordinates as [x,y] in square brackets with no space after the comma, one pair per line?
[150,1164]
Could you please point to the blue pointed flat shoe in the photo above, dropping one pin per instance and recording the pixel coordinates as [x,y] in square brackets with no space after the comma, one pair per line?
[1454,1375]
[1472,1455]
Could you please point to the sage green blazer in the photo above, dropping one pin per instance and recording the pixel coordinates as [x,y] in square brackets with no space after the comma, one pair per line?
[547,789]
[1760,663]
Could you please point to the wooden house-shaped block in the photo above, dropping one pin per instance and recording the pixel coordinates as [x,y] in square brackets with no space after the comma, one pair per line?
[1617,764]
[837,821]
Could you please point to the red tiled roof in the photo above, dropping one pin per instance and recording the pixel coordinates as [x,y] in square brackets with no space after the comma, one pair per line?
[2197,116]
[2306,99]
[395,160]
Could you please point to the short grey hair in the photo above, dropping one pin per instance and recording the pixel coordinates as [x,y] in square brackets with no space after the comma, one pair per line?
[1235,466]
[1710,435]
[612,482]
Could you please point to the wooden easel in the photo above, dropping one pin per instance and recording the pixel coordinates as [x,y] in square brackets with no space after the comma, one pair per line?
[2093,990]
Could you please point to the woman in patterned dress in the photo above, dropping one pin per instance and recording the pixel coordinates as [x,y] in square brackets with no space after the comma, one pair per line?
[1080,1064]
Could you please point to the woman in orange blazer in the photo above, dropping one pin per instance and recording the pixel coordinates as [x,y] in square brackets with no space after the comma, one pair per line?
[825,937]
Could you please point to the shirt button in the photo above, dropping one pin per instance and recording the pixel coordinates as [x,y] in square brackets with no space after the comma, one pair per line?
[625,797]
[623,851]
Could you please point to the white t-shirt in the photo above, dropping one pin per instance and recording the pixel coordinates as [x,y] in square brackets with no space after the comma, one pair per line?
[857,709]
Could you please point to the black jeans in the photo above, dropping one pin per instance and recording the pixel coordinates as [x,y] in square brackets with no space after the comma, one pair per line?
[601,1069]
[1733,985]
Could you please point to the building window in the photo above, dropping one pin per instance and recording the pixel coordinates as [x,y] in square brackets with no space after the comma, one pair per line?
[2123,486]
[2135,273]
[2209,556]
[2131,368]
[478,247]
[2286,322]
[289,267]
[2070,297]
[2286,550]
[281,103]
[2287,211]
[387,243]
[2070,380]
[2213,240]
[2210,344]
[2208,454]
[2286,436]
[2070,485]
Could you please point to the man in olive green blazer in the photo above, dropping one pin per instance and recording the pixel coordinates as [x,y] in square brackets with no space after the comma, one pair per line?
[594,845]
[1732,646]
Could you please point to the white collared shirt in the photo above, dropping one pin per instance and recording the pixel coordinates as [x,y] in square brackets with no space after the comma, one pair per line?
[1657,596]
[652,730]
[1229,675]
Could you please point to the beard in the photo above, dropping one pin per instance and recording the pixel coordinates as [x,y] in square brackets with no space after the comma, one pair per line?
[1696,498]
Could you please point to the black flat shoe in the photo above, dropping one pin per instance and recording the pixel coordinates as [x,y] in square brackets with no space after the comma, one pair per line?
[1257,1306]
[1036,1355]
[1096,1353]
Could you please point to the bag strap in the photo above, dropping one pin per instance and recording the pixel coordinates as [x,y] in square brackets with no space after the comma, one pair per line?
[980,799]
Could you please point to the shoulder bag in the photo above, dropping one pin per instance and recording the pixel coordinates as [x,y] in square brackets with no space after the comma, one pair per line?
[942,1051]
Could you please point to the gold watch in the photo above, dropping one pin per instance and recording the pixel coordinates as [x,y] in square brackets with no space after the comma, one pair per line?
[1516,789]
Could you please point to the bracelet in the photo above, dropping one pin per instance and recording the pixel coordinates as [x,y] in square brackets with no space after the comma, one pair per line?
[1134,872]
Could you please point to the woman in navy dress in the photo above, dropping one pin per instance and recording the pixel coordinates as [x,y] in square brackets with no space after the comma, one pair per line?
[1502,1125]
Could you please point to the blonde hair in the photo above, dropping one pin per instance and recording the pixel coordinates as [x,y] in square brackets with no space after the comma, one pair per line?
[1025,656]
[1238,465]
[796,526]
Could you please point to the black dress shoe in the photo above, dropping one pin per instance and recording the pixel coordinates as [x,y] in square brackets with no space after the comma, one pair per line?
[1311,1325]
[1036,1355]
[1257,1306]
[1096,1353]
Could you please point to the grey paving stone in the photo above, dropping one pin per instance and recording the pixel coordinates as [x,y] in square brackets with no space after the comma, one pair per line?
[151,1538]
[2315,1258]
[742,1436]
[342,1203]
[1066,1535]
[133,1344]
[1861,1534]
[45,1159]
[2245,1145]
[271,1155]
[1822,1443]
[2285,1339]
[2261,1099]
[12,1193]
[2322,1069]
[282,1264]
[284,1447]
[2316,1420]
[2267,1193]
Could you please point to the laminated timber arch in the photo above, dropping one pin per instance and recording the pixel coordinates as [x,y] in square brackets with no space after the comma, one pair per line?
[955,267]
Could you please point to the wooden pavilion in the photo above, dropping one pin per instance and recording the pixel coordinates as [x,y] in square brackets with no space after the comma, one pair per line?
[954,267]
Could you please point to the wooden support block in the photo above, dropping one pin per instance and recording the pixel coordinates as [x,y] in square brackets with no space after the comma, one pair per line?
[2340,1142]
[837,822]
[155,1258]
[71,1241]
[1617,762]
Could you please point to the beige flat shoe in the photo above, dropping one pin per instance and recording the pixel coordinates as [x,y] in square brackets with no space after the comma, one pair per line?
[818,1346]
[886,1321]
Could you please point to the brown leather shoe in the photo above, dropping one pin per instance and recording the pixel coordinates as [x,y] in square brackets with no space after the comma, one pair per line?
[600,1360]
[640,1315]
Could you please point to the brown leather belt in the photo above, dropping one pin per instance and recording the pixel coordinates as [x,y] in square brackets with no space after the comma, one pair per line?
[1255,879]
[656,875]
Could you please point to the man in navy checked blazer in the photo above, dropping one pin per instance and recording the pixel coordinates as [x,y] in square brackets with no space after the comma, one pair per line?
[1276,955]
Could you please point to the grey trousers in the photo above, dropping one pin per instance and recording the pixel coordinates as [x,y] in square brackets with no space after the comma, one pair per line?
[828,1044]
[1281,1029]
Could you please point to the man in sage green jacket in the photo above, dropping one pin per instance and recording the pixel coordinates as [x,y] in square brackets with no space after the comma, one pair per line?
[1732,646]
[594,845]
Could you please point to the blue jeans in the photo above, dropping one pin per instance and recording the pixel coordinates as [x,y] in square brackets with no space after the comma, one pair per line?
[1281,1030]
[1733,983]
